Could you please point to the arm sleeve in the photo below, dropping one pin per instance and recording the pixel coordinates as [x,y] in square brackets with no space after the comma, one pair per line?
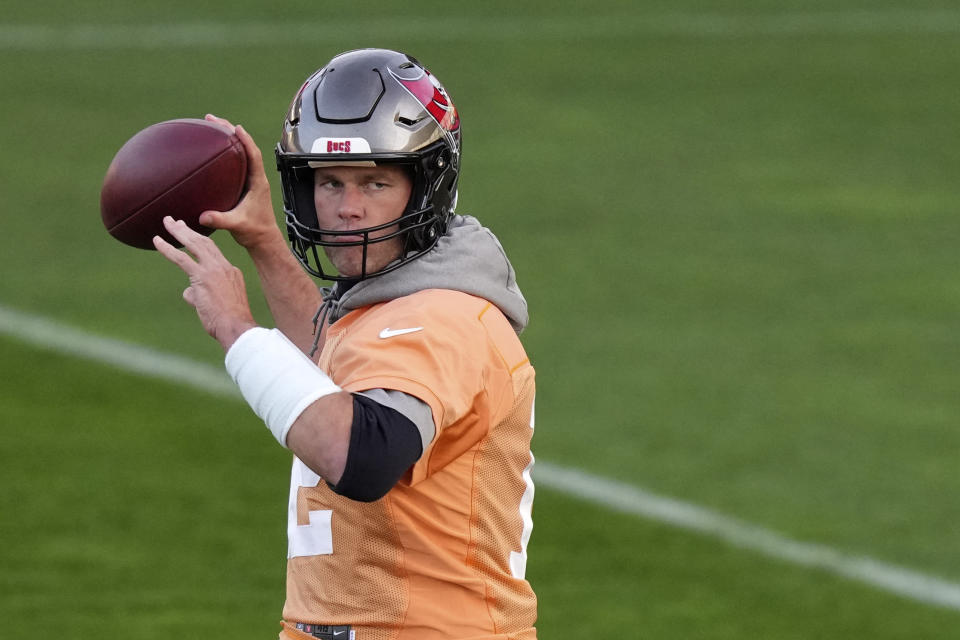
[383,445]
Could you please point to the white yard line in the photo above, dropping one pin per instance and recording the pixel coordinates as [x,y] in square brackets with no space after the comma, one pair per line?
[637,501]
[49,334]
[32,37]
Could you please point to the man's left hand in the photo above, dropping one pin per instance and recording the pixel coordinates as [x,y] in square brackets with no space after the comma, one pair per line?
[217,290]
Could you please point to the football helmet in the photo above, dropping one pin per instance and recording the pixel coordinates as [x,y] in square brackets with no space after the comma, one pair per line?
[364,107]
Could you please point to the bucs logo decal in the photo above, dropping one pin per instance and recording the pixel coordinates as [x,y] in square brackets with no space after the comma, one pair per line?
[431,95]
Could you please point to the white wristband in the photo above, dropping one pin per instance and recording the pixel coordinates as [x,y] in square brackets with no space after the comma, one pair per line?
[276,379]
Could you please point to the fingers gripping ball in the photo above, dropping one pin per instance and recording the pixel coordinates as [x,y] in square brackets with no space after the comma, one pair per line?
[179,168]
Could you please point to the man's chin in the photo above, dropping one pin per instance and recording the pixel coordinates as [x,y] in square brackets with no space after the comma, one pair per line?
[348,272]
[351,266]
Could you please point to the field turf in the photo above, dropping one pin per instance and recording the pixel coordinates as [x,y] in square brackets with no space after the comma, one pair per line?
[735,223]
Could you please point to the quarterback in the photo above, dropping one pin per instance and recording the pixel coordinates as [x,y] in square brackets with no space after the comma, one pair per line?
[402,389]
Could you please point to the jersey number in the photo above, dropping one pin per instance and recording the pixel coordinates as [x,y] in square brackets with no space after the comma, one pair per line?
[316,537]
[518,559]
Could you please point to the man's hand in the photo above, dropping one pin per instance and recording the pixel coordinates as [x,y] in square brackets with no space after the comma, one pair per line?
[291,294]
[216,290]
[252,222]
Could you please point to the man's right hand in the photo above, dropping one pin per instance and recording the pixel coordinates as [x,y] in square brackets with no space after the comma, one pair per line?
[252,223]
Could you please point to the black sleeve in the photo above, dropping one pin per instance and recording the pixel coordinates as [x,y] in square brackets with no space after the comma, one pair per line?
[383,445]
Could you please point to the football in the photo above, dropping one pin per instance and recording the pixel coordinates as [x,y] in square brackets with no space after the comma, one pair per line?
[179,168]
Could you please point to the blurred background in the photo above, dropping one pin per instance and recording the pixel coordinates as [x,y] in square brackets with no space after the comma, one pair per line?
[734,221]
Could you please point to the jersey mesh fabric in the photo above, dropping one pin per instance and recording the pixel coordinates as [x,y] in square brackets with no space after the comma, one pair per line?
[431,559]
[364,534]
[494,528]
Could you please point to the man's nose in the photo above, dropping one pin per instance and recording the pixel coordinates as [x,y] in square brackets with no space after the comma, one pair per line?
[351,203]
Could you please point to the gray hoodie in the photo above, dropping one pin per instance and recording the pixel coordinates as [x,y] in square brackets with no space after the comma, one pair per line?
[468,258]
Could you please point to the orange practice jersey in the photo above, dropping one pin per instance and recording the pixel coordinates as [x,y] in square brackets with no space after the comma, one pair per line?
[443,554]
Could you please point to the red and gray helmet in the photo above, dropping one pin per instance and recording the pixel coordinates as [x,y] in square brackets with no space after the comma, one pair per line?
[370,106]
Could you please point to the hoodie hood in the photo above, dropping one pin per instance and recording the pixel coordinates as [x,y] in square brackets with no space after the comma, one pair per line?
[468,258]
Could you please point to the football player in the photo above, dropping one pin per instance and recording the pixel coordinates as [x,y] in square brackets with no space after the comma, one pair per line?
[402,390]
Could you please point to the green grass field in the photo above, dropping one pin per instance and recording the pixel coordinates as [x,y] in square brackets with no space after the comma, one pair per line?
[735,223]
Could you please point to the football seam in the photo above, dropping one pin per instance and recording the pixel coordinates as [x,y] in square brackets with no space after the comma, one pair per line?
[232,148]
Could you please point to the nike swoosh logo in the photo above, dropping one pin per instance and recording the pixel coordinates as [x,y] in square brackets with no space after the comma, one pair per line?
[389,333]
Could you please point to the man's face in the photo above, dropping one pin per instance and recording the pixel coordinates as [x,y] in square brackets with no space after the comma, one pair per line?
[350,198]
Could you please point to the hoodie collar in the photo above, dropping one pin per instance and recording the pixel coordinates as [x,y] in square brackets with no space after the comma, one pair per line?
[468,258]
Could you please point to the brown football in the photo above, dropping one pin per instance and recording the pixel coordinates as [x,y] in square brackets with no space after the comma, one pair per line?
[179,168]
